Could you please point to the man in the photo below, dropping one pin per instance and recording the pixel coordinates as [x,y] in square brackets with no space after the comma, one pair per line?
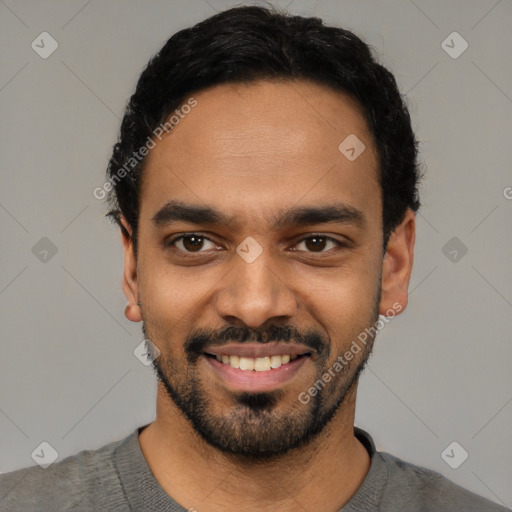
[265,183]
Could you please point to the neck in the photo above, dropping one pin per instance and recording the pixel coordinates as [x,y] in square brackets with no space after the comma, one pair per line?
[324,475]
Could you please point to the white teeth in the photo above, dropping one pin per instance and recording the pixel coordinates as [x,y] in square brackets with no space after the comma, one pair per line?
[258,364]
[262,364]
[246,363]
[275,361]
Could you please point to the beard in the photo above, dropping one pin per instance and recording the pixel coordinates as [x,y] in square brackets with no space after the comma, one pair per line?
[261,425]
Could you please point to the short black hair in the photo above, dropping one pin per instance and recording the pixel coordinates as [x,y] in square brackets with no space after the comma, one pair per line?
[249,43]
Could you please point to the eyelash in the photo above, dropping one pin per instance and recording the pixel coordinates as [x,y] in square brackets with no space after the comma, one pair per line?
[172,241]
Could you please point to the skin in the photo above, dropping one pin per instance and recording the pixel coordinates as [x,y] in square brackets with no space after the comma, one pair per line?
[251,151]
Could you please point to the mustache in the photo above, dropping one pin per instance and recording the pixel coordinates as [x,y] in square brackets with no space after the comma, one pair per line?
[201,339]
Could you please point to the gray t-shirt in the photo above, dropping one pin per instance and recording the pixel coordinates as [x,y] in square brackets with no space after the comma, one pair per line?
[116,477]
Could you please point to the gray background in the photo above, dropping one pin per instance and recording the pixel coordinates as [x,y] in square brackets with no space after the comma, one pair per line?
[440,371]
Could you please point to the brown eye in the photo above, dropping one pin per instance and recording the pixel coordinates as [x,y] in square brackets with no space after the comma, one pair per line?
[191,243]
[317,243]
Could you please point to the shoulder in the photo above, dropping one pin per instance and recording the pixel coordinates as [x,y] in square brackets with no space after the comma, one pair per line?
[72,484]
[35,488]
[411,487]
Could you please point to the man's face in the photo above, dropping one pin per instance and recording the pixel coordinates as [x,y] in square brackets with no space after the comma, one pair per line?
[252,153]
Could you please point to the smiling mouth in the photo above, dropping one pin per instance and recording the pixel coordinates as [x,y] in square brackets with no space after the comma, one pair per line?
[256,364]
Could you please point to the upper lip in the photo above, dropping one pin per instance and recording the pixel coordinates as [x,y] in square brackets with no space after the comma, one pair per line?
[257,349]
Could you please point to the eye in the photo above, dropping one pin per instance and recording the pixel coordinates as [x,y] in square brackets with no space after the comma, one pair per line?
[190,242]
[317,242]
[193,243]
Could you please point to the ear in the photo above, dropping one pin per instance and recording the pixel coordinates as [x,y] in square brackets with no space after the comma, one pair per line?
[397,266]
[130,284]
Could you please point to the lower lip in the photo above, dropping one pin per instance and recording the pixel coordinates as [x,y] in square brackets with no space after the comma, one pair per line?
[253,381]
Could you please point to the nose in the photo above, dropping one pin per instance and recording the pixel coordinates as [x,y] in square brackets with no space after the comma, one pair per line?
[254,293]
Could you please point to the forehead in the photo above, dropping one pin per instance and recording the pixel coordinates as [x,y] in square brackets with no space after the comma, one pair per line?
[263,145]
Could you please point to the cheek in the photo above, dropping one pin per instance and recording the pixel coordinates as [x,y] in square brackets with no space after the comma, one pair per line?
[166,297]
[345,306]
[339,299]
[173,296]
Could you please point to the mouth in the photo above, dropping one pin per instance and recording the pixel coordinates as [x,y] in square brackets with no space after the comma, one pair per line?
[256,364]
[256,367]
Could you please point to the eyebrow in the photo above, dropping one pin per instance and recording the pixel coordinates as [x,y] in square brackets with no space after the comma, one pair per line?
[339,213]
